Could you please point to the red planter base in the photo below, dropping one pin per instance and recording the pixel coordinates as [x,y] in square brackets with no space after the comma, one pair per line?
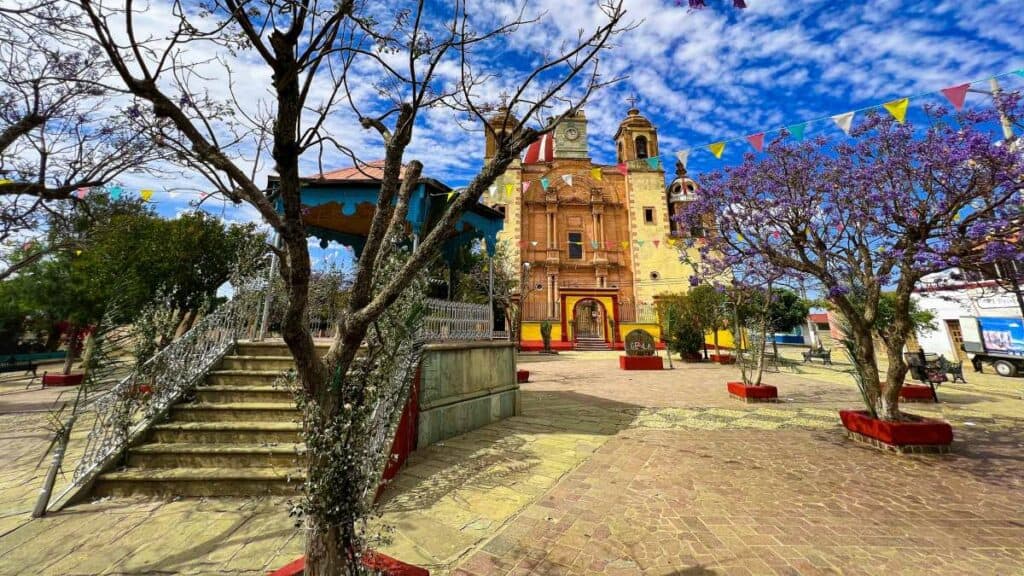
[691,357]
[641,363]
[522,376]
[62,379]
[916,393]
[919,435]
[722,358]
[762,393]
[373,560]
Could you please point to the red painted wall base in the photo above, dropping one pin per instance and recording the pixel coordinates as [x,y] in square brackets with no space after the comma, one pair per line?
[372,560]
[641,363]
[919,432]
[762,393]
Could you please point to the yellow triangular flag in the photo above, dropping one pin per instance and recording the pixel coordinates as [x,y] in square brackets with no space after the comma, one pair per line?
[450,194]
[898,108]
[508,189]
[146,195]
[5,181]
[717,148]
[595,174]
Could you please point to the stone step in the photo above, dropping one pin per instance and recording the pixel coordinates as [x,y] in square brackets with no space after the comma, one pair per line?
[245,378]
[181,455]
[272,348]
[235,412]
[258,363]
[215,394]
[226,432]
[200,482]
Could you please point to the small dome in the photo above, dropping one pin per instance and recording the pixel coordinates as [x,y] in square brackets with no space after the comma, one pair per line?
[635,120]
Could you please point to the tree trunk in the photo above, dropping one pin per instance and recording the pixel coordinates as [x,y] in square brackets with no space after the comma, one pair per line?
[868,366]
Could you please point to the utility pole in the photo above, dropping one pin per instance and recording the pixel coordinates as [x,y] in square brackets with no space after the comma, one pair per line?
[1004,120]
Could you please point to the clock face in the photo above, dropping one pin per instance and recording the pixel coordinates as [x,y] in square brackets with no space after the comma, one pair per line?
[572,133]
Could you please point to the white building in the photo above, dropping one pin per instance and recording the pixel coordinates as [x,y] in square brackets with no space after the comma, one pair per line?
[950,296]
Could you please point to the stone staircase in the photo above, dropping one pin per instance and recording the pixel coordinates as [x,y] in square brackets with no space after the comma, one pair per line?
[239,436]
[591,344]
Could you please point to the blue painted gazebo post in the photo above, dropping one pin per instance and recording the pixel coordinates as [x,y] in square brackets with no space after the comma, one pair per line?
[490,290]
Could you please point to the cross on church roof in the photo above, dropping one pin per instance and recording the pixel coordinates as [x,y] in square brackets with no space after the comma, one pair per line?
[504,98]
[632,100]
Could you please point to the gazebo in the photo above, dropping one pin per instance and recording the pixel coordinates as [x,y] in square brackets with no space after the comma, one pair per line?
[338,206]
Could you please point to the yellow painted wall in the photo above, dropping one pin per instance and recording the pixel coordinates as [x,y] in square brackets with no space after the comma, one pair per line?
[531,331]
[653,329]
[511,231]
[647,189]
[724,339]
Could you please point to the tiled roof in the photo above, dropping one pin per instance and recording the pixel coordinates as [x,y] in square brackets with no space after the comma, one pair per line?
[368,172]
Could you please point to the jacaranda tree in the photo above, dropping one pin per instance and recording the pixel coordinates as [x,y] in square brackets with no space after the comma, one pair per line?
[870,214]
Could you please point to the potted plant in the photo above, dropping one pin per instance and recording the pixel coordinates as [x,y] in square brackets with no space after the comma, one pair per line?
[688,342]
[545,335]
[750,388]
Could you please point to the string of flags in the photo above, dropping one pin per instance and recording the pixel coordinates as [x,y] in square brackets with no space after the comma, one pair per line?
[956,95]
[669,242]
[116,192]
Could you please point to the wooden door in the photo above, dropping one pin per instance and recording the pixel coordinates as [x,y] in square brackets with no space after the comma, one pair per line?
[956,337]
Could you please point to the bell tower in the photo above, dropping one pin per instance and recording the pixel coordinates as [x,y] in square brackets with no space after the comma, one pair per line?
[636,140]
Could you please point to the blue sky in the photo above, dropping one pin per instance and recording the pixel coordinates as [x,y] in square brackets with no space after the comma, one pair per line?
[720,73]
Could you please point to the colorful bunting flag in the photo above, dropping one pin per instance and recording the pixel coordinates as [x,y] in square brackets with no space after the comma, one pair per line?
[656,242]
[526,186]
[78,252]
[652,162]
[146,194]
[595,174]
[717,148]
[956,95]
[594,244]
[6,181]
[622,168]
[544,183]
[844,121]
[1020,72]
[491,190]
[757,141]
[450,194]
[567,178]
[898,108]
[115,192]
[533,243]
[609,244]
[81,193]
[639,243]
[683,157]
[625,244]
[797,131]
[508,189]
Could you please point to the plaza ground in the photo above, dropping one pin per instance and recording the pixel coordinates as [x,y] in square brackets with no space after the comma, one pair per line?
[606,472]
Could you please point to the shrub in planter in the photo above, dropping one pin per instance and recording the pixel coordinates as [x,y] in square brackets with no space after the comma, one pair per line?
[545,335]
[688,342]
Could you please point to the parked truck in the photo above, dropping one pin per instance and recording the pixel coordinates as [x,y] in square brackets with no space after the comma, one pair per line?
[995,341]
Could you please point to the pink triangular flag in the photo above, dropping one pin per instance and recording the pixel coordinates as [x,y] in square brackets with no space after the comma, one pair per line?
[526,186]
[622,168]
[757,141]
[656,242]
[956,95]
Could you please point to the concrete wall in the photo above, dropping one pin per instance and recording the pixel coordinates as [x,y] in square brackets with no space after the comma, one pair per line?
[463,386]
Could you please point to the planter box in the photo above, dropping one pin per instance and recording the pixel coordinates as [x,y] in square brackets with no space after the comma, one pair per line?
[695,357]
[917,393]
[918,435]
[723,358]
[373,560]
[62,379]
[762,393]
[641,363]
[522,376]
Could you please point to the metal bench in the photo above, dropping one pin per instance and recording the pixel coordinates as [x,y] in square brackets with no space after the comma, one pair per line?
[13,364]
[823,354]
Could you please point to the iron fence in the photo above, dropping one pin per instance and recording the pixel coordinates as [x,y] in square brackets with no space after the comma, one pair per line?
[447,320]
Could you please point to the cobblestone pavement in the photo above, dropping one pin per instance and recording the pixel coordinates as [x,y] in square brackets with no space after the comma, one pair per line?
[606,472]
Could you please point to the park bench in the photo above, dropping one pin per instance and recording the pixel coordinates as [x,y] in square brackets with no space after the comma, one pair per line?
[12,364]
[954,369]
[823,354]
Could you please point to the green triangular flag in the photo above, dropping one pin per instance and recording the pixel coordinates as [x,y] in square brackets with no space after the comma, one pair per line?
[797,131]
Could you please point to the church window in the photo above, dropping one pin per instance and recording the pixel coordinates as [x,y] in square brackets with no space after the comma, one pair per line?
[575,245]
[641,147]
[648,215]
[620,151]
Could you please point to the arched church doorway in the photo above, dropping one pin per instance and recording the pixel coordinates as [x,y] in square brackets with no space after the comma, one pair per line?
[588,318]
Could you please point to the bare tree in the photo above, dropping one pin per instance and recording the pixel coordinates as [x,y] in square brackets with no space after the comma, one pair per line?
[328,61]
[58,130]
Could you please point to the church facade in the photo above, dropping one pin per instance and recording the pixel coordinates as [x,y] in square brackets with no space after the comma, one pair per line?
[594,244]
